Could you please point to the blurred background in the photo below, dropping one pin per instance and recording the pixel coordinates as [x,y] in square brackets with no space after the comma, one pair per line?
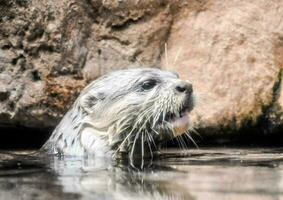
[231,50]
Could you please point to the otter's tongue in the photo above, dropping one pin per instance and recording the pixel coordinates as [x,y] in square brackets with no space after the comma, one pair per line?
[180,125]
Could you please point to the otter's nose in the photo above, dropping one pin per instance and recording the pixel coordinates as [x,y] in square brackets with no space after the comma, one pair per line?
[184,87]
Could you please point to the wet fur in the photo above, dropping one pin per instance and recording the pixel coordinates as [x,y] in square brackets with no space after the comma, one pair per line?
[113,115]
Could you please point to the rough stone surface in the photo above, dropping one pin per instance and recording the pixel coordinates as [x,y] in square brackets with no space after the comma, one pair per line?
[231,50]
[50,50]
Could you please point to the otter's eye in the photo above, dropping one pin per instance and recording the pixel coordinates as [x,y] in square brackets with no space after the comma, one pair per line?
[149,84]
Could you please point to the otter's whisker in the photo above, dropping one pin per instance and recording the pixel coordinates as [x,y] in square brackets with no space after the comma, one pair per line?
[152,139]
[122,143]
[170,127]
[155,120]
[190,137]
[177,55]
[166,54]
[178,142]
[197,133]
[183,142]
[142,150]
[149,145]
[133,148]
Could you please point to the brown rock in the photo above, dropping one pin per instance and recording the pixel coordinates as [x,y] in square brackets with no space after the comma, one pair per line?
[230,50]
[232,53]
[50,50]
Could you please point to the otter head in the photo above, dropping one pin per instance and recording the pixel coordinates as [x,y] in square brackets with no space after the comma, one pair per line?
[135,110]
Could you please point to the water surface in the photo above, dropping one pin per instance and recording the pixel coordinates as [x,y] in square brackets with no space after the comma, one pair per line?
[210,173]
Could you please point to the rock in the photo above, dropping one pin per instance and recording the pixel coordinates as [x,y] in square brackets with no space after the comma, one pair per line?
[4,94]
[230,50]
[232,53]
[50,51]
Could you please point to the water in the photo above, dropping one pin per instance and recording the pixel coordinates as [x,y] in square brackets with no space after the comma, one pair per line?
[211,173]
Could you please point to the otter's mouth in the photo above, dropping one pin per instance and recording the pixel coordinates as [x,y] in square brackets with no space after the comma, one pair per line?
[180,125]
[179,121]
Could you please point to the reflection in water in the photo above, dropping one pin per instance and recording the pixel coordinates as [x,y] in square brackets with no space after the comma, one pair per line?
[117,181]
[192,174]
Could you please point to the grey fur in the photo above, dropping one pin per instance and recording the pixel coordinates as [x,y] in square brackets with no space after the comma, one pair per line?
[114,114]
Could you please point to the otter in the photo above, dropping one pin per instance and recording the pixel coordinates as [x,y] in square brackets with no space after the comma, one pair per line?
[126,112]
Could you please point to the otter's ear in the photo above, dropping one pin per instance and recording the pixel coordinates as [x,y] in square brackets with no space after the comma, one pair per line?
[89,101]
